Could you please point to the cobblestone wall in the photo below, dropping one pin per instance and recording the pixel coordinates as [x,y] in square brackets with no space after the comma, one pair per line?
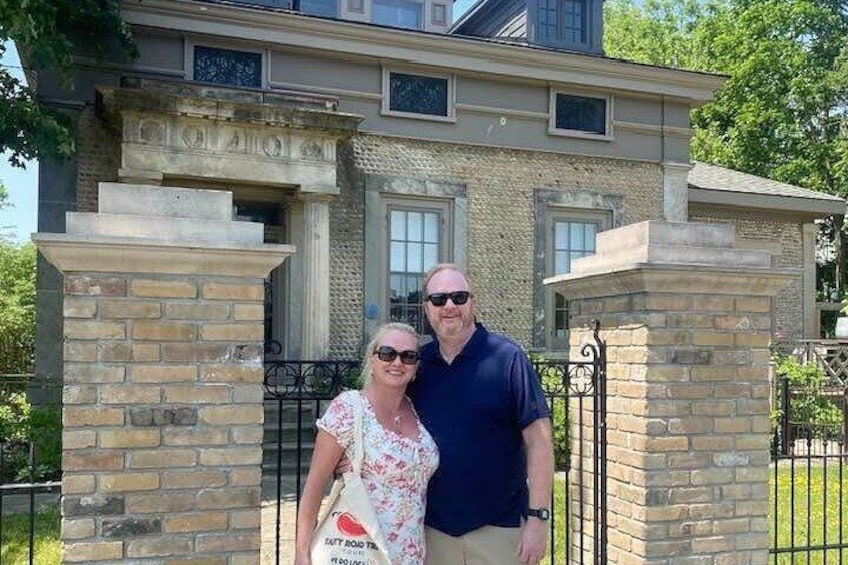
[500,247]
[785,237]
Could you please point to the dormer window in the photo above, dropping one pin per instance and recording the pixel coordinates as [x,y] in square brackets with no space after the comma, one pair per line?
[566,24]
[327,8]
[398,13]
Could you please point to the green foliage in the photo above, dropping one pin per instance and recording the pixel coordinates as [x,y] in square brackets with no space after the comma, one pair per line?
[50,33]
[17,305]
[808,406]
[21,425]
[552,381]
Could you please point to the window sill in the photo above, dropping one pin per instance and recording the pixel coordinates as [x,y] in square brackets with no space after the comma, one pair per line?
[413,116]
[580,134]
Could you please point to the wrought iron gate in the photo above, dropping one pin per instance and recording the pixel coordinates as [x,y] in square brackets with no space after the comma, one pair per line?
[296,392]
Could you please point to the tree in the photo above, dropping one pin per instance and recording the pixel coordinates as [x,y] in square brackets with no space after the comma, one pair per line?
[50,33]
[17,294]
[783,112]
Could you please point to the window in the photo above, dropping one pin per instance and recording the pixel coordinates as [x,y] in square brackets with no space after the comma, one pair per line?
[427,96]
[226,66]
[328,8]
[440,14]
[580,115]
[397,13]
[570,235]
[417,242]
[562,22]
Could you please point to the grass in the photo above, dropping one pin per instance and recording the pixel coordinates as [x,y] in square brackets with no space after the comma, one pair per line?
[792,520]
[810,513]
[824,515]
[14,546]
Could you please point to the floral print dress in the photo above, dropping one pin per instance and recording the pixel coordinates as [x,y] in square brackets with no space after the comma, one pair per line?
[395,470]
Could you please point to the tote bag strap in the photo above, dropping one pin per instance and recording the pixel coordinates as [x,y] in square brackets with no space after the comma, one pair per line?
[358,440]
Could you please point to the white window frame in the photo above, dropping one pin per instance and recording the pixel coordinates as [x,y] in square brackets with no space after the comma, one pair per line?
[392,203]
[385,108]
[608,121]
[263,55]
[604,219]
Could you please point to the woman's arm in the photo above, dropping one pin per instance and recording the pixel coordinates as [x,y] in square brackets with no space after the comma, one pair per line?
[325,457]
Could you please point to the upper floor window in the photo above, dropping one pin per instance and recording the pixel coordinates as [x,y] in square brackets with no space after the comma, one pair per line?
[398,13]
[580,115]
[562,22]
[429,96]
[328,8]
[227,66]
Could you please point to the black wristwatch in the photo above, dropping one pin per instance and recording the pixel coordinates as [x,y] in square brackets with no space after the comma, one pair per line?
[541,513]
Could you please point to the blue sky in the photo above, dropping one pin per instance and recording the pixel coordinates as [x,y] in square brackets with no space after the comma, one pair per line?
[20,220]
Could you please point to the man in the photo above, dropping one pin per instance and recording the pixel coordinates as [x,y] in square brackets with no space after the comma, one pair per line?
[480,399]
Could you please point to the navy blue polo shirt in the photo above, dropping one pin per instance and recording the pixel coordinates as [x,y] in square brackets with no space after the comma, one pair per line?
[476,409]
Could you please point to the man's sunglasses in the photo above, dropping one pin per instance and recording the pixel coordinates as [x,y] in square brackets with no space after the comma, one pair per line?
[459,297]
[388,354]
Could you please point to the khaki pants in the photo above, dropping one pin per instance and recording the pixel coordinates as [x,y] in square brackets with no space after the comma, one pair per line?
[489,545]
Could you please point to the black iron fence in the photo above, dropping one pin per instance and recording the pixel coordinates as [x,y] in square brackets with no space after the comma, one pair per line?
[809,479]
[296,392]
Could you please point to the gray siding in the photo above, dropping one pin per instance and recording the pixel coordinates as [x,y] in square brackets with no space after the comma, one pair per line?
[491,110]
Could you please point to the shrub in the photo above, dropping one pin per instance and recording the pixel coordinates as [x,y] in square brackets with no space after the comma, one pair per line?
[809,407]
[22,426]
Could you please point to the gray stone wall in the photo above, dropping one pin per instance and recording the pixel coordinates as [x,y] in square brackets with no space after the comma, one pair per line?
[500,187]
[785,237]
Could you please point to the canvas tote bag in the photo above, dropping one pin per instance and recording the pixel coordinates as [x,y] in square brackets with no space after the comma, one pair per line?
[348,533]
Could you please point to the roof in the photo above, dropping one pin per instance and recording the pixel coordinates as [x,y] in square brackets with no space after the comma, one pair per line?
[711,184]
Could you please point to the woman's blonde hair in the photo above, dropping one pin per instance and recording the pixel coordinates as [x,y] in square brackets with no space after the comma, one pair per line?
[381,332]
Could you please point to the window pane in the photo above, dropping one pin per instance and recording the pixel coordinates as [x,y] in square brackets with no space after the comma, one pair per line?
[225,66]
[415,257]
[581,113]
[431,228]
[414,228]
[560,317]
[398,221]
[328,8]
[561,235]
[574,26]
[561,263]
[397,261]
[431,255]
[591,230]
[413,287]
[418,94]
[576,232]
[396,13]
[397,288]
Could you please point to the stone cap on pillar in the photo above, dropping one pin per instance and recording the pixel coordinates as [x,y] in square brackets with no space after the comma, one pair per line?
[153,229]
[672,257]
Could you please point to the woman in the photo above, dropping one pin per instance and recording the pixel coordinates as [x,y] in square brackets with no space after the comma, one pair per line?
[399,454]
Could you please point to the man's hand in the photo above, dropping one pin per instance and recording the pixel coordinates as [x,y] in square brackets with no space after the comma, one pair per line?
[343,466]
[533,542]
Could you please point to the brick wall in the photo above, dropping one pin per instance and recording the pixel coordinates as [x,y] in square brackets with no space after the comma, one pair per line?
[162,419]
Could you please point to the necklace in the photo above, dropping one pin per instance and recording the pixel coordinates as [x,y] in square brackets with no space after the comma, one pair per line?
[395,416]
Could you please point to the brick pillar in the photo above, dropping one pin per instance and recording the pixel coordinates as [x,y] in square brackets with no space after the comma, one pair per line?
[687,318]
[162,415]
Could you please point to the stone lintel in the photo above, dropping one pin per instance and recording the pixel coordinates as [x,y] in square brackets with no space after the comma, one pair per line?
[70,253]
[673,278]
[317,192]
[231,105]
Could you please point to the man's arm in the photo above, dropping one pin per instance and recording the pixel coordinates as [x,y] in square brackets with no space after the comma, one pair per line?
[538,444]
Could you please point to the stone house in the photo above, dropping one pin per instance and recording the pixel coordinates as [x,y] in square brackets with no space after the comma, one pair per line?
[379,139]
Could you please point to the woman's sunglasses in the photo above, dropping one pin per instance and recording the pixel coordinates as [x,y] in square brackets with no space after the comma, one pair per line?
[389,354]
[459,297]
